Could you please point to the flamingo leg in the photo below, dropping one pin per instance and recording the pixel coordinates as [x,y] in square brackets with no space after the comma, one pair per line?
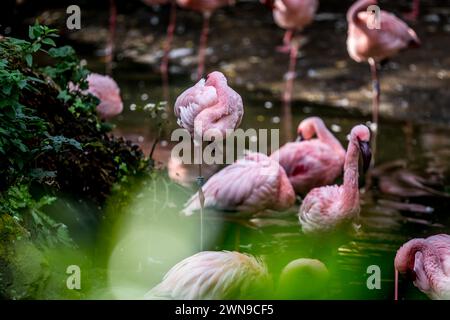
[375,111]
[396,286]
[289,87]
[112,34]
[201,196]
[203,43]
[164,68]
[287,41]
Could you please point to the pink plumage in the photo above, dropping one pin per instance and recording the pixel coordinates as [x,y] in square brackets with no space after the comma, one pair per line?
[250,185]
[313,162]
[363,43]
[429,262]
[294,14]
[108,92]
[327,208]
[213,275]
[209,107]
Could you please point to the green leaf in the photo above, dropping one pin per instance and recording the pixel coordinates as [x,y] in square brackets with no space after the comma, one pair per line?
[49,41]
[29,59]
[31,33]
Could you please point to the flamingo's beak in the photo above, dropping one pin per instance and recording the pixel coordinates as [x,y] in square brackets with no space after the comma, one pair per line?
[299,138]
[366,154]
[268,3]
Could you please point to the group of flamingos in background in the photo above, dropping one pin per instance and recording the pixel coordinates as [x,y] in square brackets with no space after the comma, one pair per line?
[309,166]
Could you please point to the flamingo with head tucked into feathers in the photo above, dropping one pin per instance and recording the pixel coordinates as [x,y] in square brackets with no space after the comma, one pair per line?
[250,185]
[367,42]
[219,275]
[427,261]
[108,92]
[326,208]
[308,162]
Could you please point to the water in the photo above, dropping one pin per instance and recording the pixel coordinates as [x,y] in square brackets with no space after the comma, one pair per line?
[278,240]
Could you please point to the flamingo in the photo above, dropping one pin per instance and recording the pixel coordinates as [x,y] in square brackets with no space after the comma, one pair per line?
[250,185]
[326,208]
[314,162]
[221,275]
[206,7]
[428,261]
[208,108]
[293,16]
[169,38]
[107,91]
[366,43]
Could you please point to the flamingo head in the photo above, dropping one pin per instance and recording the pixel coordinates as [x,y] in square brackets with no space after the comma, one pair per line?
[307,128]
[361,134]
[215,79]
[303,279]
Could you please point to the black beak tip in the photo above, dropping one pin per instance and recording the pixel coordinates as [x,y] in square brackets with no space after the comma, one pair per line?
[299,138]
[366,154]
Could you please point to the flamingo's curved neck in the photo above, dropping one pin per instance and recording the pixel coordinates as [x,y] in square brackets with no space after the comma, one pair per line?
[352,15]
[432,262]
[351,174]
[327,137]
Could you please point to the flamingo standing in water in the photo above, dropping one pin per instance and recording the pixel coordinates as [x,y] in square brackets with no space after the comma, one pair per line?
[326,208]
[222,275]
[293,16]
[108,92]
[208,108]
[314,162]
[367,43]
[428,261]
[206,7]
[250,185]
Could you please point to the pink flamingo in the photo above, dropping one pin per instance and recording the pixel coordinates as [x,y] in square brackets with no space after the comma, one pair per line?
[108,92]
[250,185]
[169,37]
[367,43]
[206,7]
[210,105]
[314,162]
[223,275]
[329,207]
[428,261]
[208,108]
[294,16]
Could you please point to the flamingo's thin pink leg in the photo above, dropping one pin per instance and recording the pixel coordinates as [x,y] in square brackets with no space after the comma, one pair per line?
[375,104]
[396,286]
[112,35]
[167,45]
[203,43]
[289,87]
